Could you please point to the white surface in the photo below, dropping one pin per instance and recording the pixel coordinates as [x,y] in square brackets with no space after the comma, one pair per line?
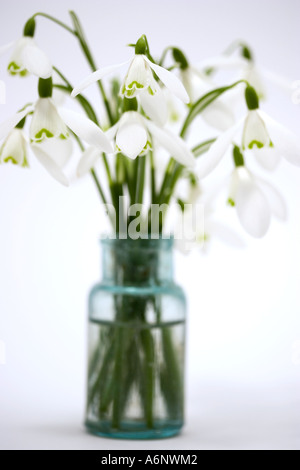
[244,322]
[220,416]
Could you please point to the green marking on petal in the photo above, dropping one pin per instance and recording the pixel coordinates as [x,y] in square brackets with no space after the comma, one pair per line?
[203,238]
[258,144]
[43,134]
[129,93]
[146,149]
[25,163]
[271,144]
[231,202]
[64,136]
[10,159]
[150,91]
[134,84]
[14,69]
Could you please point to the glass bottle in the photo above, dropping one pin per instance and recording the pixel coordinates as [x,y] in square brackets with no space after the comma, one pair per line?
[135,385]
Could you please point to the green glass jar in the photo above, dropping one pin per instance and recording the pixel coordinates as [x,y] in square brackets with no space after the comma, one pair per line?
[135,387]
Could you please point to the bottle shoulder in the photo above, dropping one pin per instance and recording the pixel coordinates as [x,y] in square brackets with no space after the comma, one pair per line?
[163,288]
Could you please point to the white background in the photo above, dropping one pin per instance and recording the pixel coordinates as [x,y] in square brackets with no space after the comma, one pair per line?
[244,325]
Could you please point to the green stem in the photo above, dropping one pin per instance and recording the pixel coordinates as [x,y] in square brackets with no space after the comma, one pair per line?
[89,110]
[93,173]
[174,171]
[153,179]
[91,61]
[140,179]
[55,20]
[78,32]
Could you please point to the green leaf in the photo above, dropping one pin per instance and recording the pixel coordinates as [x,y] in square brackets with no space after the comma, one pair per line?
[204,102]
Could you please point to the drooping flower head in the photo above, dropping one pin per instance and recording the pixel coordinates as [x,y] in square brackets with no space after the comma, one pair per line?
[27,57]
[261,135]
[140,82]
[49,133]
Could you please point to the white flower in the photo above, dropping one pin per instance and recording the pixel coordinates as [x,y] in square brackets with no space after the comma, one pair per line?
[53,155]
[255,201]
[139,81]
[133,139]
[219,113]
[88,160]
[46,122]
[196,227]
[14,148]
[268,139]
[49,134]
[26,58]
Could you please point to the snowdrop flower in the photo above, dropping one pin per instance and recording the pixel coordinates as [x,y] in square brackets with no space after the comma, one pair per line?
[255,201]
[88,160]
[139,81]
[49,126]
[262,135]
[27,57]
[54,155]
[14,148]
[218,114]
[196,226]
[132,138]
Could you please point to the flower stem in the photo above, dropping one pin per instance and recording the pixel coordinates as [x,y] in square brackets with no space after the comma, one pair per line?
[140,179]
[55,20]
[89,110]
[93,173]
[91,61]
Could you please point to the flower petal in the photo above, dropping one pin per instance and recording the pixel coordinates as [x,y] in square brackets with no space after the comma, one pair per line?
[208,161]
[253,76]
[218,115]
[170,81]
[16,64]
[174,144]
[222,61]
[112,131]
[275,199]
[154,103]
[7,126]
[226,234]
[131,136]
[59,150]
[88,160]
[255,132]
[14,148]
[268,157]
[46,122]
[285,142]
[49,164]
[253,209]
[95,76]
[36,61]
[137,77]
[6,47]
[86,129]
[282,82]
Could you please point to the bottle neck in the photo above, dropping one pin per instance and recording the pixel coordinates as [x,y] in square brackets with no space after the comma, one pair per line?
[137,262]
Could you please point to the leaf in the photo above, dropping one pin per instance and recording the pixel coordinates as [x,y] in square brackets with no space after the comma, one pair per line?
[204,102]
